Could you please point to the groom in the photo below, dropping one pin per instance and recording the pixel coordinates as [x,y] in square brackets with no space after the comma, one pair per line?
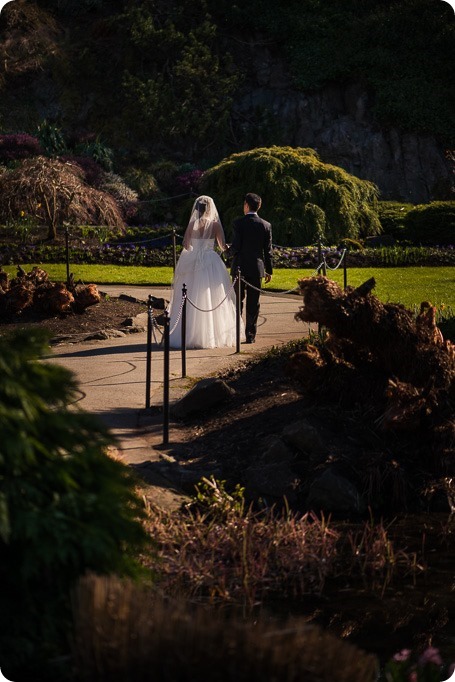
[251,249]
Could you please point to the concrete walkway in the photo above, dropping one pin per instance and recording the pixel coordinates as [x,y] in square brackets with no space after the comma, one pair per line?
[111,373]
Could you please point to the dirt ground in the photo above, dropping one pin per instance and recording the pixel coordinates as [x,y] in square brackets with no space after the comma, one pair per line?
[109,313]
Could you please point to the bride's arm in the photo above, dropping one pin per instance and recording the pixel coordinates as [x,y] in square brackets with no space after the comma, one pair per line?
[219,236]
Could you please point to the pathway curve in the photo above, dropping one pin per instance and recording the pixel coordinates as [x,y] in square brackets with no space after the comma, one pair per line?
[111,373]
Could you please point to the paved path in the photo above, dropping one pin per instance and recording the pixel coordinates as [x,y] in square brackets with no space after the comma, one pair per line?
[112,373]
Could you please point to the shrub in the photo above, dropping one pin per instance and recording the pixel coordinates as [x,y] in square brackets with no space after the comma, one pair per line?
[18,146]
[51,139]
[301,195]
[65,506]
[392,215]
[189,181]
[92,171]
[99,152]
[126,198]
[432,223]
[54,192]
[142,182]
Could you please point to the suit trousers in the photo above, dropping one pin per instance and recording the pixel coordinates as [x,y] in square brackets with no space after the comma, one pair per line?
[252,302]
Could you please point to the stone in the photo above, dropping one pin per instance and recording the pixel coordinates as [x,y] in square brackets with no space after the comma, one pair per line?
[272,480]
[205,395]
[276,451]
[305,437]
[332,492]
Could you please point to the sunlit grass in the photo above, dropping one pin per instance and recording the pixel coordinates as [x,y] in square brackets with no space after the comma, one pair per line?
[409,286]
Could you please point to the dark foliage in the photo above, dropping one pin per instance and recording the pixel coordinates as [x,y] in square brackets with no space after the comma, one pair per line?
[18,146]
[432,223]
[66,506]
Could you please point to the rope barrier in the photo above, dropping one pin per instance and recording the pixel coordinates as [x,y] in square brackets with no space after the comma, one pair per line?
[209,310]
[270,293]
[141,241]
[156,201]
[339,263]
[144,241]
[179,314]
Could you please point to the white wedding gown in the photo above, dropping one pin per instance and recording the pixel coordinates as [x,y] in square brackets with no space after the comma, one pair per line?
[210,307]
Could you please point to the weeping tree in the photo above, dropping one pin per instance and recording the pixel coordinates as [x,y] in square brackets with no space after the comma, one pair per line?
[50,192]
[302,196]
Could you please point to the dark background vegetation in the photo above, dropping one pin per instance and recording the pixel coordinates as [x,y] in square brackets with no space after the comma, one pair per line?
[158,78]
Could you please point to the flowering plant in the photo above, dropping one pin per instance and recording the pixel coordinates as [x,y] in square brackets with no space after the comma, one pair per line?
[428,667]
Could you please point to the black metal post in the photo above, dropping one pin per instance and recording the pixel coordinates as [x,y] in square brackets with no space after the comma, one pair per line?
[183,330]
[148,362]
[320,258]
[174,249]
[345,269]
[166,380]
[238,301]
[67,253]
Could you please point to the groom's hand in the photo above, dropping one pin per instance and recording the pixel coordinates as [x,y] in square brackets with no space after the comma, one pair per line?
[267,278]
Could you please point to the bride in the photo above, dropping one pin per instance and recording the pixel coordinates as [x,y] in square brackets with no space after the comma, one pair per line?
[210,307]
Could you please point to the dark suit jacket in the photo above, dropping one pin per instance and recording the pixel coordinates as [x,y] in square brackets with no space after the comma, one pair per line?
[251,246]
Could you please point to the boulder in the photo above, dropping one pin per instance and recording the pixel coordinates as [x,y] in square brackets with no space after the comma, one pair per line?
[206,394]
[305,437]
[332,492]
[272,480]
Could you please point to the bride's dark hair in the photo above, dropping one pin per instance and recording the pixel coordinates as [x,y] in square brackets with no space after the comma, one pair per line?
[201,206]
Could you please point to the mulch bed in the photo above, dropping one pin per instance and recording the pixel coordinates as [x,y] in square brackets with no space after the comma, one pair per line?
[109,313]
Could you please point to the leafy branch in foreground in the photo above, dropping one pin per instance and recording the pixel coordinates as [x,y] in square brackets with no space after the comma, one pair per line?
[65,506]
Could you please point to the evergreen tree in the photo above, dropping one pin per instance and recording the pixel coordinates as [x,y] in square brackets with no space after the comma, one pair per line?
[66,507]
[301,196]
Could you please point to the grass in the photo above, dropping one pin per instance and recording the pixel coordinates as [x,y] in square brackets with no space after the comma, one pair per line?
[409,286]
[228,553]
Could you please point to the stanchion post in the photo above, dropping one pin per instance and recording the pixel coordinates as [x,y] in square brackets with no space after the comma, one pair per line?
[166,380]
[174,249]
[67,255]
[183,330]
[148,362]
[238,300]
[345,269]
[320,258]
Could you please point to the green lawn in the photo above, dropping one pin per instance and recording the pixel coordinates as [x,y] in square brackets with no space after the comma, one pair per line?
[409,285]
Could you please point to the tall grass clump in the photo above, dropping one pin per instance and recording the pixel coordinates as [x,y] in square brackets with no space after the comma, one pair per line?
[129,634]
[224,552]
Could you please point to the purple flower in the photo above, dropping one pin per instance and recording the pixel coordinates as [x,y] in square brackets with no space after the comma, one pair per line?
[402,655]
[430,655]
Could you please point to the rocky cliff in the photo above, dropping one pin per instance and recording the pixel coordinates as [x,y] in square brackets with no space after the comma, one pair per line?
[338,122]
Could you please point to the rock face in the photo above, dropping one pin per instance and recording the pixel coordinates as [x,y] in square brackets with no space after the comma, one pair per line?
[338,122]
